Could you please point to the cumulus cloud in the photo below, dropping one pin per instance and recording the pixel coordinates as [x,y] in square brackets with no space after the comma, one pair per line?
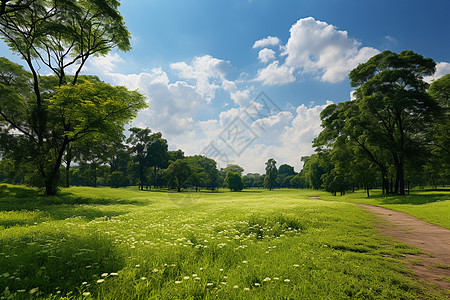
[442,68]
[285,136]
[274,74]
[240,97]
[103,64]
[172,106]
[318,47]
[266,42]
[206,71]
[265,55]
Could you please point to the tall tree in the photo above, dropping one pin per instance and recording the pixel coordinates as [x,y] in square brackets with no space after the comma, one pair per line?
[74,113]
[140,139]
[232,168]
[286,169]
[58,34]
[394,104]
[14,6]
[234,181]
[157,154]
[271,174]
[179,172]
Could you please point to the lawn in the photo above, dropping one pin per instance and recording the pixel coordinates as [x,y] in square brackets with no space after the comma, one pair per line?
[431,206]
[108,243]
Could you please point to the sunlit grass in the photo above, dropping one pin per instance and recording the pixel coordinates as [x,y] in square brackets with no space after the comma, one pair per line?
[127,244]
[431,206]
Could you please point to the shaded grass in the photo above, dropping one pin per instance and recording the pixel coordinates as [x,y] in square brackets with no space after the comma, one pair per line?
[128,244]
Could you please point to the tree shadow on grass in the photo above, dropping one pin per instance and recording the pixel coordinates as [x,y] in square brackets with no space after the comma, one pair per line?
[21,195]
[55,261]
[418,198]
[20,206]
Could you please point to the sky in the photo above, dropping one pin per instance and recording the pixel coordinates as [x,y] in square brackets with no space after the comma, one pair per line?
[242,81]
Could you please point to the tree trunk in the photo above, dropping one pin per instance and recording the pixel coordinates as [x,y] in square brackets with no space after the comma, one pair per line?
[51,185]
[51,179]
[95,174]
[68,161]
[368,195]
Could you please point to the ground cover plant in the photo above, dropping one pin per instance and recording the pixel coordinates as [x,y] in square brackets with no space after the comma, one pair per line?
[107,243]
[432,206]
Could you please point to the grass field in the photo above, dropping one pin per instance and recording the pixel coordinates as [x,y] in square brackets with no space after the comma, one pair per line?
[431,206]
[127,244]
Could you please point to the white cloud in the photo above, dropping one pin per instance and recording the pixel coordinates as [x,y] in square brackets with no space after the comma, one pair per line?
[172,106]
[286,137]
[103,64]
[206,71]
[391,39]
[442,69]
[265,42]
[265,55]
[319,48]
[240,97]
[274,74]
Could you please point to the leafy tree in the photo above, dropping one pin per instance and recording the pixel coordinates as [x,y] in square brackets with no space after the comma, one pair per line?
[157,154]
[286,183]
[394,105]
[234,181]
[298,181]
[179,172]
[438,165]
[74,113]
[60,35]
[117,179]
[271,174]
[140,139]
[204,171]
[286,169]
[174,155]
[233,168]
[253,180]
[12,7]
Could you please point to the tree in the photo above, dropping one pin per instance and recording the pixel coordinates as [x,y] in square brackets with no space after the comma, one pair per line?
[438,165]
[394,104]
[140,139]
[74,113]
[286,169]
[60,35]
[232,168]
[12,7]
[157,154]
[174,155]
[204,171]
[234,181]
[179,172]
[271,174]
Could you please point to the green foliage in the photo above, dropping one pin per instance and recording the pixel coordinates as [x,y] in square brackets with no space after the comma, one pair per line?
[286,169]
[204,172]
[179,173]
[394,110]
[271,174]
[385,133]
[49,113]
[232,168]
[234,181]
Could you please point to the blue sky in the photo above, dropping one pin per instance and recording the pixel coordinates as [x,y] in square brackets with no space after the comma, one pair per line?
[200,63]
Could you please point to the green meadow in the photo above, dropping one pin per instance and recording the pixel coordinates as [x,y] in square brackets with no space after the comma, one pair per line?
[103,243]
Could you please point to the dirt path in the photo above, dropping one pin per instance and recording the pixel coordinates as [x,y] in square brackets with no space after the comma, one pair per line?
[433,239]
